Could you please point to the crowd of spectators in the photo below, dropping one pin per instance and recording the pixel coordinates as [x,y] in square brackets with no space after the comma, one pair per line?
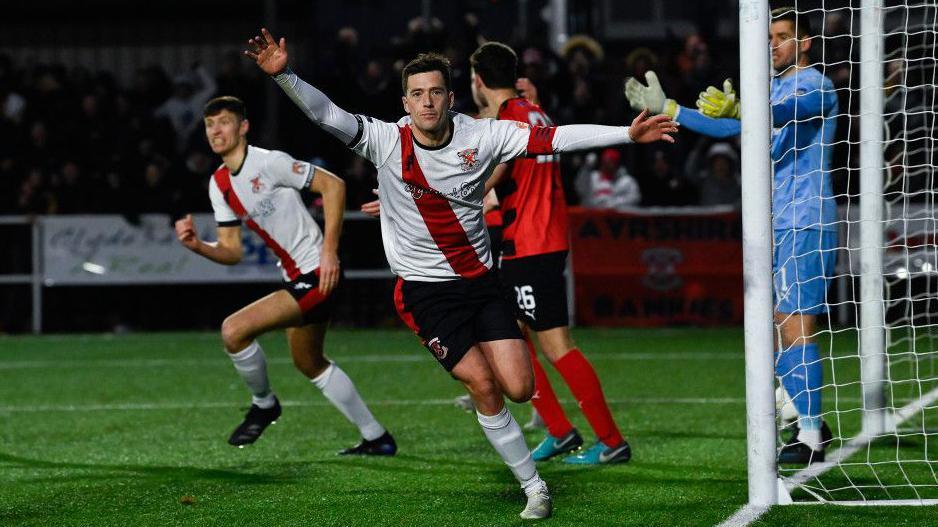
[78,141]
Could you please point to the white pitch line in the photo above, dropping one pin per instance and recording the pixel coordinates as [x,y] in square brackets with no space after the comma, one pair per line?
[99,407]
[750,513]
[745,516]
[851,447]
[417,356]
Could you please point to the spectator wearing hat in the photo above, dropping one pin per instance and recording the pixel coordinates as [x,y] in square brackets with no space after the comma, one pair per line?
[718,177]
[608,186]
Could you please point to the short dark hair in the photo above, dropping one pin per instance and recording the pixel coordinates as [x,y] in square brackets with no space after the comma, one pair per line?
[497,64]
[225,102]
[424,63]
[799,21]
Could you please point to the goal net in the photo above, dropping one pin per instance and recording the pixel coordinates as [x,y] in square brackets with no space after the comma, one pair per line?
[878,342]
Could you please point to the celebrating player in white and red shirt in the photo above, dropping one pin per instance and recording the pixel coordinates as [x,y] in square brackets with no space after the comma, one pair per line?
[432,171]
[262,189]
[533,257]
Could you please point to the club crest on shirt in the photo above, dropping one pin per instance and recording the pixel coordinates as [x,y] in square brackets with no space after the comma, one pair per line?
[257,185]
[469,157]
[438,349]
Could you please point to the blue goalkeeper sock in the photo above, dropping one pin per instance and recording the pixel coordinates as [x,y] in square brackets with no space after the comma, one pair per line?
[800,370]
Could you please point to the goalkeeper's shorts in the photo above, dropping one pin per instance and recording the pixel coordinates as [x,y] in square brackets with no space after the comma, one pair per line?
[802,266]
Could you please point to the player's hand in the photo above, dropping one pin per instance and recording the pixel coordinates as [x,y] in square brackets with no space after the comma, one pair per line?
[329,271]
[528,90]
[719,104]
[270,56]
[489,202]
[646,129]
[372,208]
[651,97]
[186,233]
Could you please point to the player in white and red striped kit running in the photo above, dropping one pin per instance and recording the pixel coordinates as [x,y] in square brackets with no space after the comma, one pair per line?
[432,171]
[261,188]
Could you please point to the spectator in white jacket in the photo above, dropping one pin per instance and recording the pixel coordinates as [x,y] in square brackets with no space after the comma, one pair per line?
[608,186]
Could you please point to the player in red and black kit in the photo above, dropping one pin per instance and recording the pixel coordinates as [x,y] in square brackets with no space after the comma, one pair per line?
[533,257]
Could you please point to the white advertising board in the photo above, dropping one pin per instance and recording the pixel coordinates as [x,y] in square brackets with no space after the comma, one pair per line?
[108,250]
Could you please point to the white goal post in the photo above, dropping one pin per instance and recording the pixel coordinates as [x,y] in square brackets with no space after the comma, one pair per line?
[880,371]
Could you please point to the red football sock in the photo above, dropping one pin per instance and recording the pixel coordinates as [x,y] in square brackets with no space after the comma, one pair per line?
[545,400]
[583,382]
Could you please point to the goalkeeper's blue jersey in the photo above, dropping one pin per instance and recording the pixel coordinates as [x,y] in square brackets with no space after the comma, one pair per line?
[804,110]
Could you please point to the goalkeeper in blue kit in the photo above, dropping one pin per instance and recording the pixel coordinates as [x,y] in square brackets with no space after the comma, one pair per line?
[804,110]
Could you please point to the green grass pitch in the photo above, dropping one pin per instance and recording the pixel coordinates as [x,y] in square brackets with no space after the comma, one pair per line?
[131,430]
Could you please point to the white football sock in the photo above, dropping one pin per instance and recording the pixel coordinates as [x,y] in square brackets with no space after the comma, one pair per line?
[505,436]
[252,367]
[812,438]
[339,390]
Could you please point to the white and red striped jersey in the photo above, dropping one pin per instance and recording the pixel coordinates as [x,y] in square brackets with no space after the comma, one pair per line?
[264,194]
[431,197]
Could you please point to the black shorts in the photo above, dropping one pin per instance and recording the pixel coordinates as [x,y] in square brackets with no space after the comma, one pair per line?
[452,316]
[535,286]
[316,308]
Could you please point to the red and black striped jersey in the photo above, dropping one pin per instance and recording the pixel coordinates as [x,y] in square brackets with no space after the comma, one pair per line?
[534,211]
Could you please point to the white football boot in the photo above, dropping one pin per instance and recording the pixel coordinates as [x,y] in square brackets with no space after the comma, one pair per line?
[539,504]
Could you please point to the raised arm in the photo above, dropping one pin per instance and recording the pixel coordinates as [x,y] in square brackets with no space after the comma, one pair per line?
[271,57]
[332,189]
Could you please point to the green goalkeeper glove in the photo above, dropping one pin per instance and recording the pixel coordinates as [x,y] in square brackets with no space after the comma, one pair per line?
[649,97]
[719,104]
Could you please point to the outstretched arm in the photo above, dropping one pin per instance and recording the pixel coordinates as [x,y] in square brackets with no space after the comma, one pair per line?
[515,139]
[719,109]
[574,137]
[652,97]
[271,57]
[803,106]
[697,122]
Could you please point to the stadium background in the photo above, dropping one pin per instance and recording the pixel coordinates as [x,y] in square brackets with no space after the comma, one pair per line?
[81,130]
[88,124]
[126,424]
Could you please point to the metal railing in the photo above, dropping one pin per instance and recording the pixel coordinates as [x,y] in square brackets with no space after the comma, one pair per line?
[36,278]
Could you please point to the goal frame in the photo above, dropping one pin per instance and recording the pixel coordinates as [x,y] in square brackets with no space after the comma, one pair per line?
[765,487]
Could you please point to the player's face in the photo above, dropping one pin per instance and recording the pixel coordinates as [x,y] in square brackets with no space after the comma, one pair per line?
[784,45]
[225,131]
[427,101]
